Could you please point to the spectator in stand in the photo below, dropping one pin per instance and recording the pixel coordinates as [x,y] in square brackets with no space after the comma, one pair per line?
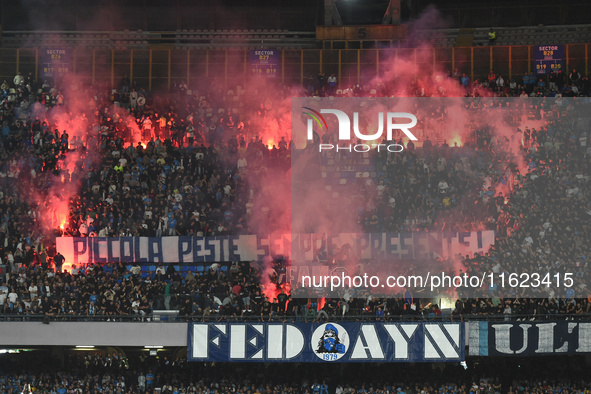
[332,84]
[492,36]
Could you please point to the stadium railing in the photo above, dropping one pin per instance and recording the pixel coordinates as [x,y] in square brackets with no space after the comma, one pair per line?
[174,318]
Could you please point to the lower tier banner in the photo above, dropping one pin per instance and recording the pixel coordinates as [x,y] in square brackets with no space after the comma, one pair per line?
[327,342]
[528,338]
[298,247]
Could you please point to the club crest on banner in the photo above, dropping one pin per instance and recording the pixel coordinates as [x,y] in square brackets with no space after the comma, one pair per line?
[333,341]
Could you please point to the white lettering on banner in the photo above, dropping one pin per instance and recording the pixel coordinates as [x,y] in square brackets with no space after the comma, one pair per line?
[503,337]
[200,345]
[437,343]
[221,328]
[380,342]
[275,349]
[300,247]
[546,341]
[201,339]
[238,341]
[584,337]
[289,342]
[253,341]
[529,339]
[367,342]
[273,338]
[401,335]
[294,342]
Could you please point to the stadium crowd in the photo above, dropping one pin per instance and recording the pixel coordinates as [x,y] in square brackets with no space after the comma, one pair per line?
[187,164]
[117,293]
[114,373]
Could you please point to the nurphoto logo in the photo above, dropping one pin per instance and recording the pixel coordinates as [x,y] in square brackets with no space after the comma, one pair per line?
[344,130]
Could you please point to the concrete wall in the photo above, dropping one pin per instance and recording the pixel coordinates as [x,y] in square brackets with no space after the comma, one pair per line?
[99,334]
[95,333]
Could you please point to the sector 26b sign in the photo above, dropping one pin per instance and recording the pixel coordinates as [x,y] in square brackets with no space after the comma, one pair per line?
[327,342]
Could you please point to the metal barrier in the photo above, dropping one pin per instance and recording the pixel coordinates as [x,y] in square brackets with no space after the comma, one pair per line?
[215,317]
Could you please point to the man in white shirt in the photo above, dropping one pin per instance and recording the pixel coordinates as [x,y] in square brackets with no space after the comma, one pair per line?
[133,96]
[18,79]
[136,269]
[12,296]
[443,186]
[141,382]
[332,84]
[33,290]
[242,163]
[528,240]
